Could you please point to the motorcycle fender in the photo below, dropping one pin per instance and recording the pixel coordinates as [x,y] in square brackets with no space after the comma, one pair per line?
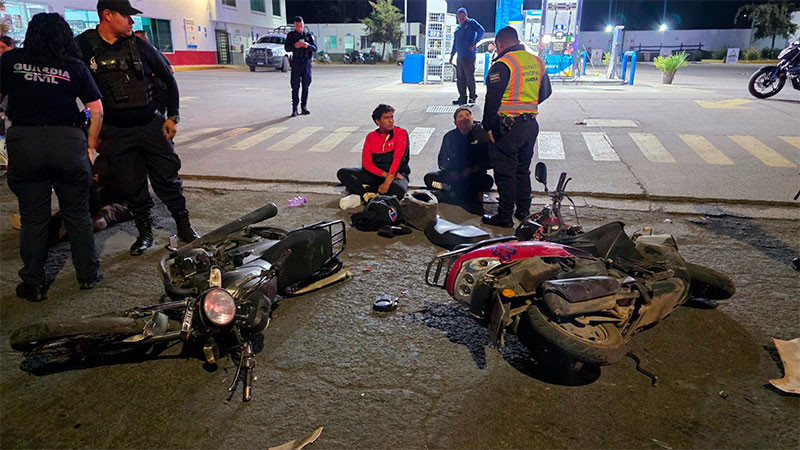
[667,295]
[497,322]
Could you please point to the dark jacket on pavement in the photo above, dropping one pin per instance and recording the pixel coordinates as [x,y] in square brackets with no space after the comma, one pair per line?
[459,151]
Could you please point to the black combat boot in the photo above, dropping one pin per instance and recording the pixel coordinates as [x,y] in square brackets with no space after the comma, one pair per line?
[294,111]
[185,231]
[304,111]
[145,240]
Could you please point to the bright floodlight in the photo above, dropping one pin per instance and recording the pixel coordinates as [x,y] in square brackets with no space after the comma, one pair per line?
[663,27]
[608,28]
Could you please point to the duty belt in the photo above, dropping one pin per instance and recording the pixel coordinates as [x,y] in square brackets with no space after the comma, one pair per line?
[508,121]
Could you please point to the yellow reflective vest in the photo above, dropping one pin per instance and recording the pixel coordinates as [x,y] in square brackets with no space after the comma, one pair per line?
[522,92]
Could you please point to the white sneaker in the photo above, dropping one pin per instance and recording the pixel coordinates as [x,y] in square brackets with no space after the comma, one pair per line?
[351,201]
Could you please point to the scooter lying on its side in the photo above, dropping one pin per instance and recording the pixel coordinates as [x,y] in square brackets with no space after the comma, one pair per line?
[585,294]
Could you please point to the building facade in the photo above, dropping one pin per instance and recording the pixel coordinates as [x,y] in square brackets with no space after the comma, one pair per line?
[186,31]
[341,38]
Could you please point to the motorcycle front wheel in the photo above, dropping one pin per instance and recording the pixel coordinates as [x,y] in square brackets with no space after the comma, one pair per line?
[757,86]
[709,283]
[80,339]
[600,344]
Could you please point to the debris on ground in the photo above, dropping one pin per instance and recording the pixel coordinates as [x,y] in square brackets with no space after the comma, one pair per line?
[297,444]
[789,351]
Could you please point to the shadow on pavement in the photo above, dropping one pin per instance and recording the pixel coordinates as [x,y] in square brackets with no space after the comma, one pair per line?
[462,329]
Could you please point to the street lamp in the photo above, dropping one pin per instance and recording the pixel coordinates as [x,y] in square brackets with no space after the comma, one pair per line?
[609,28]
[662,27]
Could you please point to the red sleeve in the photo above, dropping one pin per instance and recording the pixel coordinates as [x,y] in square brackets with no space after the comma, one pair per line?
[366,155]
[400,146]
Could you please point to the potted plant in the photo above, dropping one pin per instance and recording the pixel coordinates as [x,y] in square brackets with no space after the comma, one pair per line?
[670,64]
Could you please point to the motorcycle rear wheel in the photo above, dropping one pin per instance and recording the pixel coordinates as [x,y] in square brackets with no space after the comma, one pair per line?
[758,77]
[606,346]
[709,283]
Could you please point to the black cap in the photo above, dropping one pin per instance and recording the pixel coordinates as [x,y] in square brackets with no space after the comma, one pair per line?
[120,6]
[298,19]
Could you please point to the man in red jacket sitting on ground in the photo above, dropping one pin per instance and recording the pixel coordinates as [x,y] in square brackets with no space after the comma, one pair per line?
[384,159]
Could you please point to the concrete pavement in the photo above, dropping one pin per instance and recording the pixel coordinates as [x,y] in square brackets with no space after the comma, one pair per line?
[702,138]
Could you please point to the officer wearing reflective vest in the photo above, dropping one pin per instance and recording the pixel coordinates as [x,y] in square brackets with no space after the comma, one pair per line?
[516,84]
[136,138]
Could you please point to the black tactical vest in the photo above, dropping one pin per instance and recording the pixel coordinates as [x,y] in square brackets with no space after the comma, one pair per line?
[119,73]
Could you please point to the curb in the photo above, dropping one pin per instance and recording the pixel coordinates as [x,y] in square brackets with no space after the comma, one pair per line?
[586,194]
[208,67]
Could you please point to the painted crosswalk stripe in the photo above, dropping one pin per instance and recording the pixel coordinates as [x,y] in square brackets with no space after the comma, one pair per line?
[294,139]
[600,147]
[758,149]
[211,142]
[792,140]
[358,147]
[705,149]
[651,147]
[257,138]
[610,123]
[333,139]
[184,137]
[550,145]
[418,138]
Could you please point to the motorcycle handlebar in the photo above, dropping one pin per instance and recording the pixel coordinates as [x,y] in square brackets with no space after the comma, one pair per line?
[265,212]
[561,180]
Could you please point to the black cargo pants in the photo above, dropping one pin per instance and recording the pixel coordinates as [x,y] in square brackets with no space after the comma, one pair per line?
[138,152]
[42,159]
[511,156]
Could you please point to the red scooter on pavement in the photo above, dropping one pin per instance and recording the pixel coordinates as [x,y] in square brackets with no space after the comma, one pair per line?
[584,294]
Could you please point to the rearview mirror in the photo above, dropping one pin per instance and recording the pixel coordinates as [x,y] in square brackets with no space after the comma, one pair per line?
[541,173]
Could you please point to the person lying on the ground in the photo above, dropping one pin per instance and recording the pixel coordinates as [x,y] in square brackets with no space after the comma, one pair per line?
[106,205]
[384,159]
[463,162]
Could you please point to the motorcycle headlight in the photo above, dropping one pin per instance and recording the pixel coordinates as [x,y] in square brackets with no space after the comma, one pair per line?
[470,277]
[219,307]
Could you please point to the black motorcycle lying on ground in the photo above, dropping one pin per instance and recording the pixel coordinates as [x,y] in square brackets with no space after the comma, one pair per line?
[769,80]
[220,292]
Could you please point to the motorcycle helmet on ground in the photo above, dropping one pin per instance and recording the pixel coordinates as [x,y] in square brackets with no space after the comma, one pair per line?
[419,207]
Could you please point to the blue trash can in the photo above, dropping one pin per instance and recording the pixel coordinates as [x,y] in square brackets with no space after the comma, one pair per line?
[413,68]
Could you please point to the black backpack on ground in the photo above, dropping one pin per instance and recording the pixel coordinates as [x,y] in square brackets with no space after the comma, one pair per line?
[381,210]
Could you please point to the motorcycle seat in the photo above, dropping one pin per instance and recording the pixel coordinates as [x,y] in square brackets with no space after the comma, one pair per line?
[449,235]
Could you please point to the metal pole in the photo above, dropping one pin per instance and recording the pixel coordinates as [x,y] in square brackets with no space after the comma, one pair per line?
[405,18]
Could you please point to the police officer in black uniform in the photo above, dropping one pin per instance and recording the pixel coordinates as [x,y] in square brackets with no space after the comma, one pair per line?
[48,147]
[515,85]
[301,43]
[136,138]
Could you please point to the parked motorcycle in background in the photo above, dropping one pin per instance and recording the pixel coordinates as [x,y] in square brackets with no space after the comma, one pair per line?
[584,294]
[353,57]
[220,292]
[769,80]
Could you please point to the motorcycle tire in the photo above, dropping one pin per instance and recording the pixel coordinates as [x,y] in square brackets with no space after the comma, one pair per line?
[751,85]
[608,350]
[709,283]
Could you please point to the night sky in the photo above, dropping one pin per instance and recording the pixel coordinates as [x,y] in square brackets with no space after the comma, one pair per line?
[635,15]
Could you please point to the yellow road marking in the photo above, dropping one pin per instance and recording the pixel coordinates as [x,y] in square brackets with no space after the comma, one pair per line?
[706,150]
[651,147]
[793,140]
[734,103]
[758,149]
